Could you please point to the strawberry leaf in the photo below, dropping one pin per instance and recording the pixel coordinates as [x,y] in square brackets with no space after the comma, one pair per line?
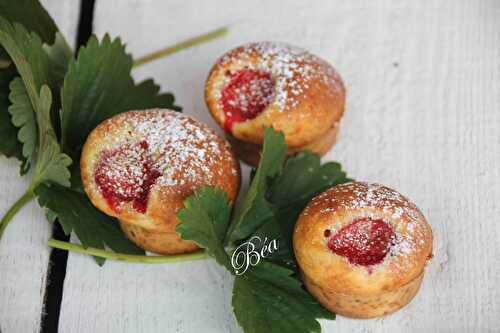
[25,49]
[9,144]
[93,88]
[76,214]
[146,95]
[302,178]
[23,117]
[32,63]
[97,86]
[256,209]
[52,165]
[204,219]
[270,299]
[30,14]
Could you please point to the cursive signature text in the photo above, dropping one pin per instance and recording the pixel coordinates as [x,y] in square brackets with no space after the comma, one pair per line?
[251,252]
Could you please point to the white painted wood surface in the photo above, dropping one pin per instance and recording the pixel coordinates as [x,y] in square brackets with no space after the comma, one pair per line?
[24,255]
[422,115]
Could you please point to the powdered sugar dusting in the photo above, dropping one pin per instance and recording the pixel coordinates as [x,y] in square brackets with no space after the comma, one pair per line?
[181,150]
[126,174]
[119,166]
[258,91]
[375,201]
[291,68]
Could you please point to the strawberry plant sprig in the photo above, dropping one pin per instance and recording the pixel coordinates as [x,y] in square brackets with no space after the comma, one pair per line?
[31,100]
[271,290]
[50,100]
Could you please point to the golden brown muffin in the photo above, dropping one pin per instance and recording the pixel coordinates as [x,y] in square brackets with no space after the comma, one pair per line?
[268,84]
[362,249]
[140,166]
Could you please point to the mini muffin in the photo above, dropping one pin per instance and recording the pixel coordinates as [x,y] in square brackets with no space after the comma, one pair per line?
[140,166]
[362,249]
[268,84]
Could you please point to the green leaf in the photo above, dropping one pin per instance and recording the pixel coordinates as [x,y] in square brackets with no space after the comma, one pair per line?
[76,213]
[51,216]
[270,299]
[204,219]
[25,50]
[30,14]
[302,178]
[94,87]
[60,56]
[272,229]
[97,86]
[256,209]
[32,63]
[23,117]
[51,165]
[146,95]
[9,144]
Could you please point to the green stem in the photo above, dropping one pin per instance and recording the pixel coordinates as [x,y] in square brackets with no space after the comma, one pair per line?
[180,46]
[127,257]
[23,200]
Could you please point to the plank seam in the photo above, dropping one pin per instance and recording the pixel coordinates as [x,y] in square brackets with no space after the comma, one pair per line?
[58,259]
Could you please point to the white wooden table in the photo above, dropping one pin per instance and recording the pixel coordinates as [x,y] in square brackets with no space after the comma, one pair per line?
[422,115]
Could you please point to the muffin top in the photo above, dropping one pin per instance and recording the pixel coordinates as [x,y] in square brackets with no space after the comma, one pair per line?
[277,85]
[141,165]
[360,238]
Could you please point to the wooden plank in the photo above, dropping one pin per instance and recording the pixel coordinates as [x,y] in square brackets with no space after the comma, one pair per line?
[24,255]
[422,116]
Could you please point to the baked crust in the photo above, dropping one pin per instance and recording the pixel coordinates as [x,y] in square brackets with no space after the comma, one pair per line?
[189,155]
[326,273]
[157,241]
[308,100]
[365,306]
[250,152]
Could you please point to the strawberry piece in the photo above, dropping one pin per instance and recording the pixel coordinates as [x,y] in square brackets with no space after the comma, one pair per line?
[363,242]
[246,95]
[126,174]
